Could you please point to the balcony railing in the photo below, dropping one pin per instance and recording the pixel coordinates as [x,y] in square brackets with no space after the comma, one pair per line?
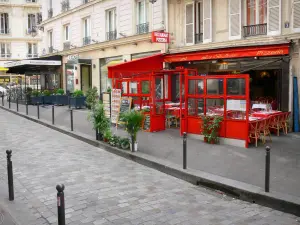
[32,55]
[50,49]
[142,28]
[67,45]
[111,35]
[198,38]
[86,40]
[254,30]
[31,1]
[31,30]
[4,31]
[85,1]
[4,1]
[5,55]
[50,13]
[65,5]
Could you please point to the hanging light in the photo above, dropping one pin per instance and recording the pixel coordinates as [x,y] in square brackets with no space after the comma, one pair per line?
[152,1]
[264,74]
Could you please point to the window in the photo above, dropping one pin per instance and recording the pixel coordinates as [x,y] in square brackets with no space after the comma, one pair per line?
[5,50]
[31,1]
[50,41]
[31,23]
[199,22]
[66,32]
[111,24]
[142,21]
[50,10]
[32,50]
[4,23]
[65,5]
[86,31]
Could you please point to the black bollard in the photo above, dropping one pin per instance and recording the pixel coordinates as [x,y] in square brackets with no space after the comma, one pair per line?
[97,135]
[71,115]
[267,176]
[9,102]
[2,99]
[61,204]
[17,104]
[10,176]
[38,110]
[53,115]
[184,150]
[26,108]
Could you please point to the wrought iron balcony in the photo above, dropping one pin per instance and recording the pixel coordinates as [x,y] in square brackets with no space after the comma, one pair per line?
[5,55]
[5,31]
[32,30]
[50,50]
[85,1]
[50,13]
[111,35]
[198,38]
[254,30]
[32,55]
[65,5]
[67,45]
[87,40]
[142,28]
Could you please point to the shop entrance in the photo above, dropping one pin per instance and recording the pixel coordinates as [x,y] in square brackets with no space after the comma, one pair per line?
[85,77]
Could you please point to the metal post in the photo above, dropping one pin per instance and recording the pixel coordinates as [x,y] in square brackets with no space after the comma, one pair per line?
[26,108]
[53,115]
[10,176]
[17,104]
[3,100]
[97,136]
[71,115]
[38,110]
[61,204]
[9,102]
[184,150]
[267,176]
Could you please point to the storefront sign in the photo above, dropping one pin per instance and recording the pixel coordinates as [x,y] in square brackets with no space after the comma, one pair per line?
[230,53]
[115,104]
[160,37]
[73,57]
[33,62]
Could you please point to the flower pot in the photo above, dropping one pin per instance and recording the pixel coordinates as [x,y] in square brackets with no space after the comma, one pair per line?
[135,147]
[77,102]
[61,100]
[105,139]
[37,100]
[205,139]
[49,99]
[100,137]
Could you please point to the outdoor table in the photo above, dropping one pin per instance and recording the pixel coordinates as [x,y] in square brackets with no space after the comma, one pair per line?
[265,114]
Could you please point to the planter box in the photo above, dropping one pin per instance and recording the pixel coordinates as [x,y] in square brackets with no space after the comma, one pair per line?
[36,100]
[61,100]
[78,102]
[49,99]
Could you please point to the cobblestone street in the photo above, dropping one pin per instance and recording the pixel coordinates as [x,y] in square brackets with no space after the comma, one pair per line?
[102,188]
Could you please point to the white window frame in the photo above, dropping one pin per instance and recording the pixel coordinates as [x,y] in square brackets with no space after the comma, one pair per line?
[34,49]
[197,16]
[7,50]
[237,37]
[2,29]
[193,42]
[50,38]
[294,29]
[86,24]
[32,24]
[66,32]
[114,17]
[256,13]
[138,12]
[278,32]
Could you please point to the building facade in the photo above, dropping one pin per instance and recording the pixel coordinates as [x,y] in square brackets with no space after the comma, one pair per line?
[19,29]
[91,35]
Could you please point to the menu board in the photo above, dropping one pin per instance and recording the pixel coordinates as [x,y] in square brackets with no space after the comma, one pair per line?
[238,105]
[125,105]
[106,103]
[115,104]
[146,122]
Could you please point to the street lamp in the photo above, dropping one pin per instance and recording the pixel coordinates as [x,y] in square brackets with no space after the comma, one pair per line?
[152,1]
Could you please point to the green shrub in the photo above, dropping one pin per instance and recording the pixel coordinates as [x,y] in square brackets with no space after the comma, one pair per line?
[60,91]
[35,93]
[107,134]
[77,93]
[91,97]
[133,122]
[46,93]
[98,118]
[125,143]
[115,141]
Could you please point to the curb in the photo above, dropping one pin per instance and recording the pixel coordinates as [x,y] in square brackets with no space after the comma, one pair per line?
[240,190]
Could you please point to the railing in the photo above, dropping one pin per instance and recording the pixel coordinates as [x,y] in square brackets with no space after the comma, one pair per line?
[111,35]
[86,40]
[85,1]
[65,5]
[50,49]
[142,28]
[31,30]
[50,13]
[4,31]
[5,55]
[254,30]
[31,1]
[198,38]
[67,45]
[4,1]
[32,55]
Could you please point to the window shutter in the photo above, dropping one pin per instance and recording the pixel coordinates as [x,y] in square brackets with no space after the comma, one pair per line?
[235,19]
[189,23]
[274,17]
[296,16]
[207,21]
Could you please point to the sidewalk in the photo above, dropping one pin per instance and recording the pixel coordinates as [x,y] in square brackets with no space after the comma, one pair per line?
[245,165]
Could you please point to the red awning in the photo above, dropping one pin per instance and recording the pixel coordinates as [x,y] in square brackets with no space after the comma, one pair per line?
[147,64]
[239,52]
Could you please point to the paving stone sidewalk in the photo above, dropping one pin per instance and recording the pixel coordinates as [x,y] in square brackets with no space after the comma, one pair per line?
[241,164]
[102,188]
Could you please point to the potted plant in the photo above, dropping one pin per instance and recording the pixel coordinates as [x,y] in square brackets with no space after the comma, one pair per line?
[36,97]
[99,120]
[125,143]
[115,141]
[78,99]
[107,135]
[60,97]
[91,97]
[48,97]
[133,124]
[211,128]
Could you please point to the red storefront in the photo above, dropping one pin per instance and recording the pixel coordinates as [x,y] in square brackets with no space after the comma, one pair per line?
[192,93]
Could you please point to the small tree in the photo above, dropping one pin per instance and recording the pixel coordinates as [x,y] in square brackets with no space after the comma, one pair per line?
[91,97]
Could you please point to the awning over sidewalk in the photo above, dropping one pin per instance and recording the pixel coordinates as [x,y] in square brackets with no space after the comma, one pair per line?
[238,52]
[150,63]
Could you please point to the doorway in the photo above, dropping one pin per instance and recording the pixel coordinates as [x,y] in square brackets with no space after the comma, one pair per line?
[85,77]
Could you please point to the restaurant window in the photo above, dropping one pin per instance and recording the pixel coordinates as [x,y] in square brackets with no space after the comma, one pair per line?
[124,88]
[215,86]
[196,87]
[236,86]
[133,87]
[4,29]
[195,106]
[236,109]
[145,87]
[70,74]
[215,107]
